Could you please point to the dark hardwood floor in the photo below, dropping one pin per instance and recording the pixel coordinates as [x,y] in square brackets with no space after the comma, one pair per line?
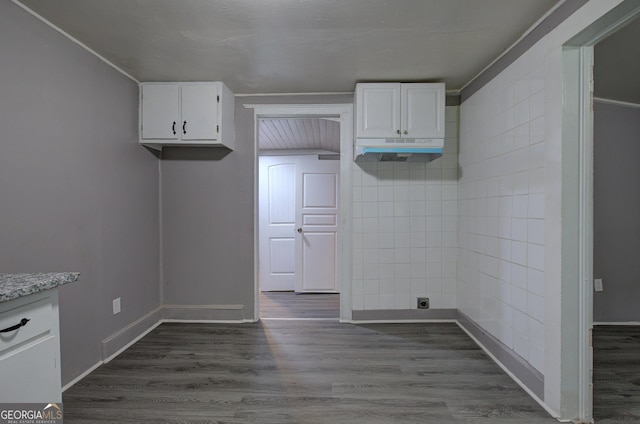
[292,305]
[280,371]
[616,374]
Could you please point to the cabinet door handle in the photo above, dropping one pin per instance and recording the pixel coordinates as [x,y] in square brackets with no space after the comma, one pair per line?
[22,323]
[405,132]
[397,131]
[173,127]
[184,127]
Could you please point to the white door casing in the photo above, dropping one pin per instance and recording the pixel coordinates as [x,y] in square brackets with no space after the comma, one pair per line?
[345,113]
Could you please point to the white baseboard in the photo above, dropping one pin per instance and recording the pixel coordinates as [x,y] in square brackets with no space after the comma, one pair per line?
[524,387]
[620,323]
[154,319]
[399,321]
[81,376]
[131,343]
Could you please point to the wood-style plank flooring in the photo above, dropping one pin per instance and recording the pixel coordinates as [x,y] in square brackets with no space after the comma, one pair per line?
[616,374]
[314,371]
[292,305]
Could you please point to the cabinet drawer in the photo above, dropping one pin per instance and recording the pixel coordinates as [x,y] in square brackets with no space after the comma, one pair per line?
[40,314]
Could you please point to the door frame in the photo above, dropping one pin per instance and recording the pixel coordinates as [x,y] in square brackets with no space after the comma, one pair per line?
[577,137]
[345,112]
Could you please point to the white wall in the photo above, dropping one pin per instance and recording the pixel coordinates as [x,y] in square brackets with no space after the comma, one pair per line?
[501,211]
[513,279]
[404,230]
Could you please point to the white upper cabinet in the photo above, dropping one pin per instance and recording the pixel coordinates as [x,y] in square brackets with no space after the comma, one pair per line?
[160,112]
[394,110]
[186,114]
[199,112]
[378,110]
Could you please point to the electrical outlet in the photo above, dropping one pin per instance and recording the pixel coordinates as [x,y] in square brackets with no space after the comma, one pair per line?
[597,284]
[116,306]
[423,303]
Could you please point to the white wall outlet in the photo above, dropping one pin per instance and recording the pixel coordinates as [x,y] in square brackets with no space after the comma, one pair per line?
[116,306]
[597,284]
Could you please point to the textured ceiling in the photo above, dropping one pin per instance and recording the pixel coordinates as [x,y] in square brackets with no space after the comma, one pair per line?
[289,46]
[617,65]
[304,133]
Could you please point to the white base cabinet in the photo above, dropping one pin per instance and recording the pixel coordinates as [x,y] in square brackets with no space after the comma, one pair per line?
[396,110]
[30,354]
[186,114]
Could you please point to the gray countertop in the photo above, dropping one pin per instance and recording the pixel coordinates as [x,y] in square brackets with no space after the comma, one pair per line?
[13,286]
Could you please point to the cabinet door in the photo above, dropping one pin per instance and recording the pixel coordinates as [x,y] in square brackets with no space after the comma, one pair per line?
[199,112]
[423,110]
[160,111]
[31,374]
[378,110]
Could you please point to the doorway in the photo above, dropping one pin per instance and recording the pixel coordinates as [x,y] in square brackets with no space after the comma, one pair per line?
[308,184]
[578,155]
[616,237]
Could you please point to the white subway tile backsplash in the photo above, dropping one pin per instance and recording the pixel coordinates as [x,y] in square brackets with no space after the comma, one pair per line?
[403,301]
[536,357]
[371,301]
[501,205]
[535,231]
[387,286]
[519,252]
[536,205]
[519,299]
[535,257]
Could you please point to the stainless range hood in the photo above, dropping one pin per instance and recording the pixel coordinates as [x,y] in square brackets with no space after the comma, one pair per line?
[397,149]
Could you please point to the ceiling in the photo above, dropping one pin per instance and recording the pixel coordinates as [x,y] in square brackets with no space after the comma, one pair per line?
[617,65]
[296,46]
[312,134]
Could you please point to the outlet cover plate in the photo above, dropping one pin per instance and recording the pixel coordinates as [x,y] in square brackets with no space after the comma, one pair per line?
[423,303]
[116,306]
[597,285]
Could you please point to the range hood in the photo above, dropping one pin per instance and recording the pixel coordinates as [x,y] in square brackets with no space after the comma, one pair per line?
[398,149]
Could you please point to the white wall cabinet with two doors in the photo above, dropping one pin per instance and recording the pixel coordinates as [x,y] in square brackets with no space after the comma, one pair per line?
[397,110]
[186,114]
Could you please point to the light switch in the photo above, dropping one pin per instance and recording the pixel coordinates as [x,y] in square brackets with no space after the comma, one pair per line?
[597,284]
[116,306]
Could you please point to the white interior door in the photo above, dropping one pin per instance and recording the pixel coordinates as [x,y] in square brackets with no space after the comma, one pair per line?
[277,216]
[298,234]
[317,194]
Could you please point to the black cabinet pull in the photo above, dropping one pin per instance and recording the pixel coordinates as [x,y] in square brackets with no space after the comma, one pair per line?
[184,127]
[173,127]
[22,323]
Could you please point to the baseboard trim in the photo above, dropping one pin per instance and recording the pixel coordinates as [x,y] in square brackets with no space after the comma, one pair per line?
[120,341]
[81,376]
[404,315]
[507,358]
[203,313]
[619,323]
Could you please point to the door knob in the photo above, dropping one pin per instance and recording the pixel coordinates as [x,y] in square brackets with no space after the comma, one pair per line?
[300,230]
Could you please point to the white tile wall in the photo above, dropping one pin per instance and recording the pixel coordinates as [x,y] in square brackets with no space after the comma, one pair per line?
[405,230]
[501,208]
